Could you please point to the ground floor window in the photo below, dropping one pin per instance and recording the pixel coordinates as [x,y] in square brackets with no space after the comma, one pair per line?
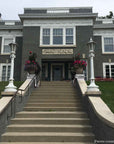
[5,72]
[108,69]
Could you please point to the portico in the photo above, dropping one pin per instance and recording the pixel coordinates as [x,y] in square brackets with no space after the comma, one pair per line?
[53,70]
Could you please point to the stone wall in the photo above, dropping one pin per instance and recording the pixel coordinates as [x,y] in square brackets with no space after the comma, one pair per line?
[102,119]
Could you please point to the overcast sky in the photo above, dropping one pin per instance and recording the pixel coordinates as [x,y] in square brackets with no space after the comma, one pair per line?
[11,8]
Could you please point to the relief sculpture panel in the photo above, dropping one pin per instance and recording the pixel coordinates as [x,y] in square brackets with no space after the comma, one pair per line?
[56,51]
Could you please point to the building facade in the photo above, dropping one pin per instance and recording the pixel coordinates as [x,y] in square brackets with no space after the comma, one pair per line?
[56,35]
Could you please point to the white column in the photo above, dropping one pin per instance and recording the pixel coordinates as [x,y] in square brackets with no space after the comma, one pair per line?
[92,86]
[92,79]
[11,87]
[12,66]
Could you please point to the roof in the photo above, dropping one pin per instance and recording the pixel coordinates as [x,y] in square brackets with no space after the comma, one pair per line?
[10,24]
[49,13]
[103,26]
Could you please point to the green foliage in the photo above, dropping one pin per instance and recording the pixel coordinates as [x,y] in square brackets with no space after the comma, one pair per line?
[5,83]
[110,15]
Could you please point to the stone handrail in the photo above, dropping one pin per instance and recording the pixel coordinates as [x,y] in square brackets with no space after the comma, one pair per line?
[24,87]
[100,109]
[4,101]
[10,102]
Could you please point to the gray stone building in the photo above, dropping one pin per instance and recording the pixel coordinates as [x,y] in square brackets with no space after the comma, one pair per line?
[56,35]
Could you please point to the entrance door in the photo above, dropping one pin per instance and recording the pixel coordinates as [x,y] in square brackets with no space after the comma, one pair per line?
[57,72]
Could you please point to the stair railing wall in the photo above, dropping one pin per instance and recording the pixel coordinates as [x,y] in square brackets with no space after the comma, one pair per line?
[10,104]
[102,119]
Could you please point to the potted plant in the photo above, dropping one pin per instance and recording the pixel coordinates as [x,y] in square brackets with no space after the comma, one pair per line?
[31,65]
[78,65]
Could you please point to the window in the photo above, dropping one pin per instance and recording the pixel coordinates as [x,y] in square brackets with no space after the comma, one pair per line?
[108,44]
[5,45]
[57,36]
[5,72]
[46,36]
[69,36]
[109,70]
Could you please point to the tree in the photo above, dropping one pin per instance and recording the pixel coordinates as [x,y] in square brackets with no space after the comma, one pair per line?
[110,15]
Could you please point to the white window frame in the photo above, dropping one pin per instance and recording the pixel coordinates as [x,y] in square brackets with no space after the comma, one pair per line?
[1,67]
[104,72]
[109,36]
[64,36]
[2,47]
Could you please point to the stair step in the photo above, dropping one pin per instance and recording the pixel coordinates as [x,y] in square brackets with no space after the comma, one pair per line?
[30,108]
[53,115]
[46,143]
[54,95]
[47,137]
[53,104]
[57,114]
[52,100]
[55,91]
[49,128]
[84,121]
[54,88]
[63,98]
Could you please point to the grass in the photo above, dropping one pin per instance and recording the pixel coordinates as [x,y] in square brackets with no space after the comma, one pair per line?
[107,89]
[4,83]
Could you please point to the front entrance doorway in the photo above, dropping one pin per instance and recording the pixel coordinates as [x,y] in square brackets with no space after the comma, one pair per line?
[57,72]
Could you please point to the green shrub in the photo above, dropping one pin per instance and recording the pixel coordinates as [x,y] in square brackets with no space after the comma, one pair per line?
[5,83]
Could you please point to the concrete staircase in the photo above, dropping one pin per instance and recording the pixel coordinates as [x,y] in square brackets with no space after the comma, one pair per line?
[53,115]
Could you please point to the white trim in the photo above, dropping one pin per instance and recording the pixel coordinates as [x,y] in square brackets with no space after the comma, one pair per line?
[1,67]
[9,23]
[57,11]
[104,72]
[105,32]
[107,21]
[54,64]
[2,45]
[51,22]
[51,36]
[14,33]
[103,52]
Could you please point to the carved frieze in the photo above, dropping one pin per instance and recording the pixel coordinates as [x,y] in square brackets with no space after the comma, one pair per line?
[56,51]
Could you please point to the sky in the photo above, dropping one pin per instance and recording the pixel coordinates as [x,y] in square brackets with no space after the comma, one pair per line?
[11,8]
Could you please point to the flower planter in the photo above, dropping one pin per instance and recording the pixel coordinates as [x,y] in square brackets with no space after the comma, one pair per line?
[31,68]
[31,65]
[79,70]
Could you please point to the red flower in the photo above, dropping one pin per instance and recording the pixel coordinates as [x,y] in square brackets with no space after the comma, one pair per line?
[30,52]
[28,62]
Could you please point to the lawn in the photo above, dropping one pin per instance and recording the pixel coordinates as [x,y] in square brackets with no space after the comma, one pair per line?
[107,89]
[3,84]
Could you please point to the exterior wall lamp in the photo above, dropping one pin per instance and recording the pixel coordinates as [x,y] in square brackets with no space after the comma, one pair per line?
[11,87]
[92,87]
